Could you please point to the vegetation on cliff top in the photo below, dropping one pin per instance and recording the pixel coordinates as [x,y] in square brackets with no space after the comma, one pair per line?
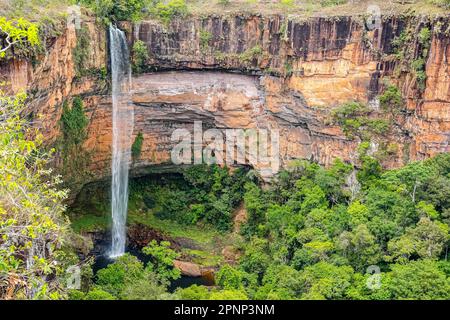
[308,8]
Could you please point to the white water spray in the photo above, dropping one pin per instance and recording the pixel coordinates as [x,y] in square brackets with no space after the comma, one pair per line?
[123,120]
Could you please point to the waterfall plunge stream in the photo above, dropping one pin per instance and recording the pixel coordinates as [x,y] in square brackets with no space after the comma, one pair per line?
[123,121]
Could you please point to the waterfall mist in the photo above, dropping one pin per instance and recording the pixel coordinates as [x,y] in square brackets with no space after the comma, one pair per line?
[122,120]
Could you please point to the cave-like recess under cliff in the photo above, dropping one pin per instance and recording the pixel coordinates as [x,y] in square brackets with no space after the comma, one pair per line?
[253,71]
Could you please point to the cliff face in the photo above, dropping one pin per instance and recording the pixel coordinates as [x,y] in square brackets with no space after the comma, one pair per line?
[247,72]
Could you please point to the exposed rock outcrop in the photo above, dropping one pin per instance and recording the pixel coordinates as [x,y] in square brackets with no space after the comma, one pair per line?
[194,270]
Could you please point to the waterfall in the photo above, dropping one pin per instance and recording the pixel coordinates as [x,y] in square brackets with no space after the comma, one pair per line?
[122,122]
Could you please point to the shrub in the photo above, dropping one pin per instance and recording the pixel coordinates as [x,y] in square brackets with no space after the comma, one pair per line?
[349,110]
[424,36]
[418,64]
[17,32]
[162,259]
[421,78]
[195,213]
[127,278]
[378,126]
[114,278]
[33,226]
[74,122]
[250,54]
[330,3]
[169,10]
[205,38]
[81,51]
[348,116]
[288,70]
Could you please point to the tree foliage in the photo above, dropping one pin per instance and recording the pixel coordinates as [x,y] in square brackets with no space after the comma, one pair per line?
[17,32]
[135,10]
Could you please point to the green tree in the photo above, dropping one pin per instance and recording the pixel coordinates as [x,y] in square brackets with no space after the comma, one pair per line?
[391,99]
[358,213]
[115,277]
[166,10]
[117,10]
[128,279]
[256,260]
[33,227]
[147,287]
[255,206]
[281,282]
[139,56]
[74,122]
[312,252]
[229,278]
[426,240]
